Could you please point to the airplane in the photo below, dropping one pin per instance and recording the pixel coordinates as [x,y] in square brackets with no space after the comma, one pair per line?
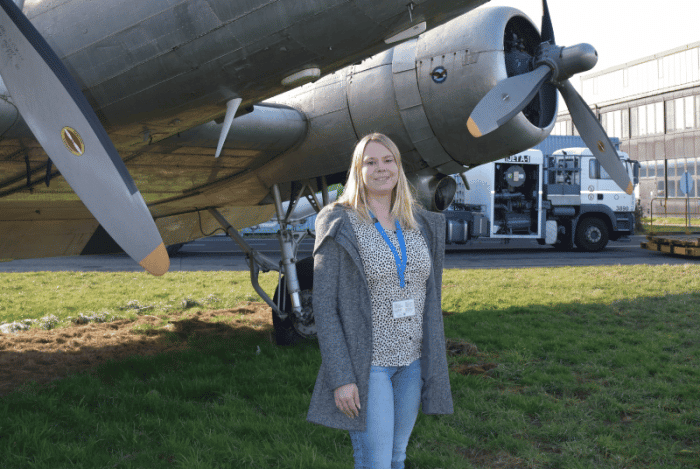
[185,103]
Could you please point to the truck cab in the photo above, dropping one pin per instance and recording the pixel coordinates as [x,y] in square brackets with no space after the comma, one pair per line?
[591,207]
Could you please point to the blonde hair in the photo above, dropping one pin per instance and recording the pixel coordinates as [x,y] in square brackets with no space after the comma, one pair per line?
[355,192]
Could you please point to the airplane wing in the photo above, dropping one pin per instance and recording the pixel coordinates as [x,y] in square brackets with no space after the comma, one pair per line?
[151,70]
[419,92]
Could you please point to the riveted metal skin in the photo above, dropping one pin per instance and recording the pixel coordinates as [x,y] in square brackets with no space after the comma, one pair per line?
[176,58]
[159,73]
[67,128]
[471,49]
[394,93]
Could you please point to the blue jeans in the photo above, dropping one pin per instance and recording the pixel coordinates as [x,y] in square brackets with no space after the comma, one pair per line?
[392,409]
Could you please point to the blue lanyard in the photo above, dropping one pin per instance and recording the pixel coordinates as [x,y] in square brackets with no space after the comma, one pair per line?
[400,261]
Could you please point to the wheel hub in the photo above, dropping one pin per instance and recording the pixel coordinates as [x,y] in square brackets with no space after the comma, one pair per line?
[593,234]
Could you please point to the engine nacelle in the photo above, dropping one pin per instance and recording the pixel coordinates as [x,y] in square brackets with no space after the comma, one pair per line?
[421,93]
[433,191]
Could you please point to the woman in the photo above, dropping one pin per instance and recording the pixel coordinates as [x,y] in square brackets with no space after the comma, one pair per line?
[377,293]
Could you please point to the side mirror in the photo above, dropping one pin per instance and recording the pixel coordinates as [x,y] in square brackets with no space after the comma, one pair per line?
[635,172]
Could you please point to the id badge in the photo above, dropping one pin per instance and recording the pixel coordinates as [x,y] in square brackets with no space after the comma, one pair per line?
[403,308]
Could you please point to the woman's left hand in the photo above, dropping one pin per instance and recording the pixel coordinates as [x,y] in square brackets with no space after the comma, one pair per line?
[347,399]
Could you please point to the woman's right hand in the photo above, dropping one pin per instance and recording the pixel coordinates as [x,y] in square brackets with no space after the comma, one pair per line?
[347,399]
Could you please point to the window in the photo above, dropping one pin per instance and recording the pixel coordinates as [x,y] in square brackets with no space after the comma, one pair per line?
[689,112]
[651,119]
[660,170]
[596,171]
[680,113]
[671,188]
[634,122]
[671,167]
[561,128]
[651,168]
[626,119]
[683,77]
[643,120]
[612,124]
[659,112]
[643,169]
[690,167]
[670,114]
[617,124]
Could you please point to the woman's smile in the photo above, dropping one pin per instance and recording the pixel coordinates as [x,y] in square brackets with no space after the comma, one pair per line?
[379,169]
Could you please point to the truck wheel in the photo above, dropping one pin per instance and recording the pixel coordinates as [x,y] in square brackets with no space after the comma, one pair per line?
[291,330]
[592,234]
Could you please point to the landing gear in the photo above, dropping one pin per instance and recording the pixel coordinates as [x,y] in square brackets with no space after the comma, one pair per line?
[292,311]
[295,327]
[294,290]
[592,235]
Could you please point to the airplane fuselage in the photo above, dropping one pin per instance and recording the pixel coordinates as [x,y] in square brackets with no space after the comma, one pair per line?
[152,69]
[159,74]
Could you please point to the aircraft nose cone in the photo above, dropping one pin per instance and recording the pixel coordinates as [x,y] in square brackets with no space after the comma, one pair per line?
[578,58]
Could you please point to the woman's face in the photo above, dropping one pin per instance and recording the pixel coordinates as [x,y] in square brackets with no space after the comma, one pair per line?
[380,172]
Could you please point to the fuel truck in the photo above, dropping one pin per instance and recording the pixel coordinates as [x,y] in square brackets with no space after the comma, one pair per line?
[565,200]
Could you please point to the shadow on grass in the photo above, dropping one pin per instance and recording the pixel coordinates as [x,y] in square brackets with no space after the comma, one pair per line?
[576,385]
[41,357]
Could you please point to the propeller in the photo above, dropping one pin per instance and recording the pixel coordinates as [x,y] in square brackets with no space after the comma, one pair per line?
[65,125]
[552,65]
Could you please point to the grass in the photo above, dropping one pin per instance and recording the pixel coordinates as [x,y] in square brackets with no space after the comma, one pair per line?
[670,224]
[671,220]
[68,294]
[596,368]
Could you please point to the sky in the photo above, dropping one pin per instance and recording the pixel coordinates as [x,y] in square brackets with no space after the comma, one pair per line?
[620,30]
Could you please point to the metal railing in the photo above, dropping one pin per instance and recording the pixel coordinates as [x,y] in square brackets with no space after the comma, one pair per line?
[690,213]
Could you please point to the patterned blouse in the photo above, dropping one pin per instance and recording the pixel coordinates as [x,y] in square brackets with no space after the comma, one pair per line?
[395,342]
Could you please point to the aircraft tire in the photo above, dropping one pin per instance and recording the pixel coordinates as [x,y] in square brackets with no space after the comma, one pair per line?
[288,331]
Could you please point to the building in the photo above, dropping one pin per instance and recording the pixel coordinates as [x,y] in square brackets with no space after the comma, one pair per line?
[653,106]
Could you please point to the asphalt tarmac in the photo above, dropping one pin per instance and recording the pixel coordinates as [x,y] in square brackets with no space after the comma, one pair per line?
[219,253]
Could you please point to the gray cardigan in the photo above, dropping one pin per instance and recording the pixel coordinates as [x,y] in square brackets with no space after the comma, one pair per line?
[342,309]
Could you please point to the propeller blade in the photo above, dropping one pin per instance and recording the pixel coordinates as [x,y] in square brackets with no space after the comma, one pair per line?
[547,29]
[595,137]
[505,100]
[65,125]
